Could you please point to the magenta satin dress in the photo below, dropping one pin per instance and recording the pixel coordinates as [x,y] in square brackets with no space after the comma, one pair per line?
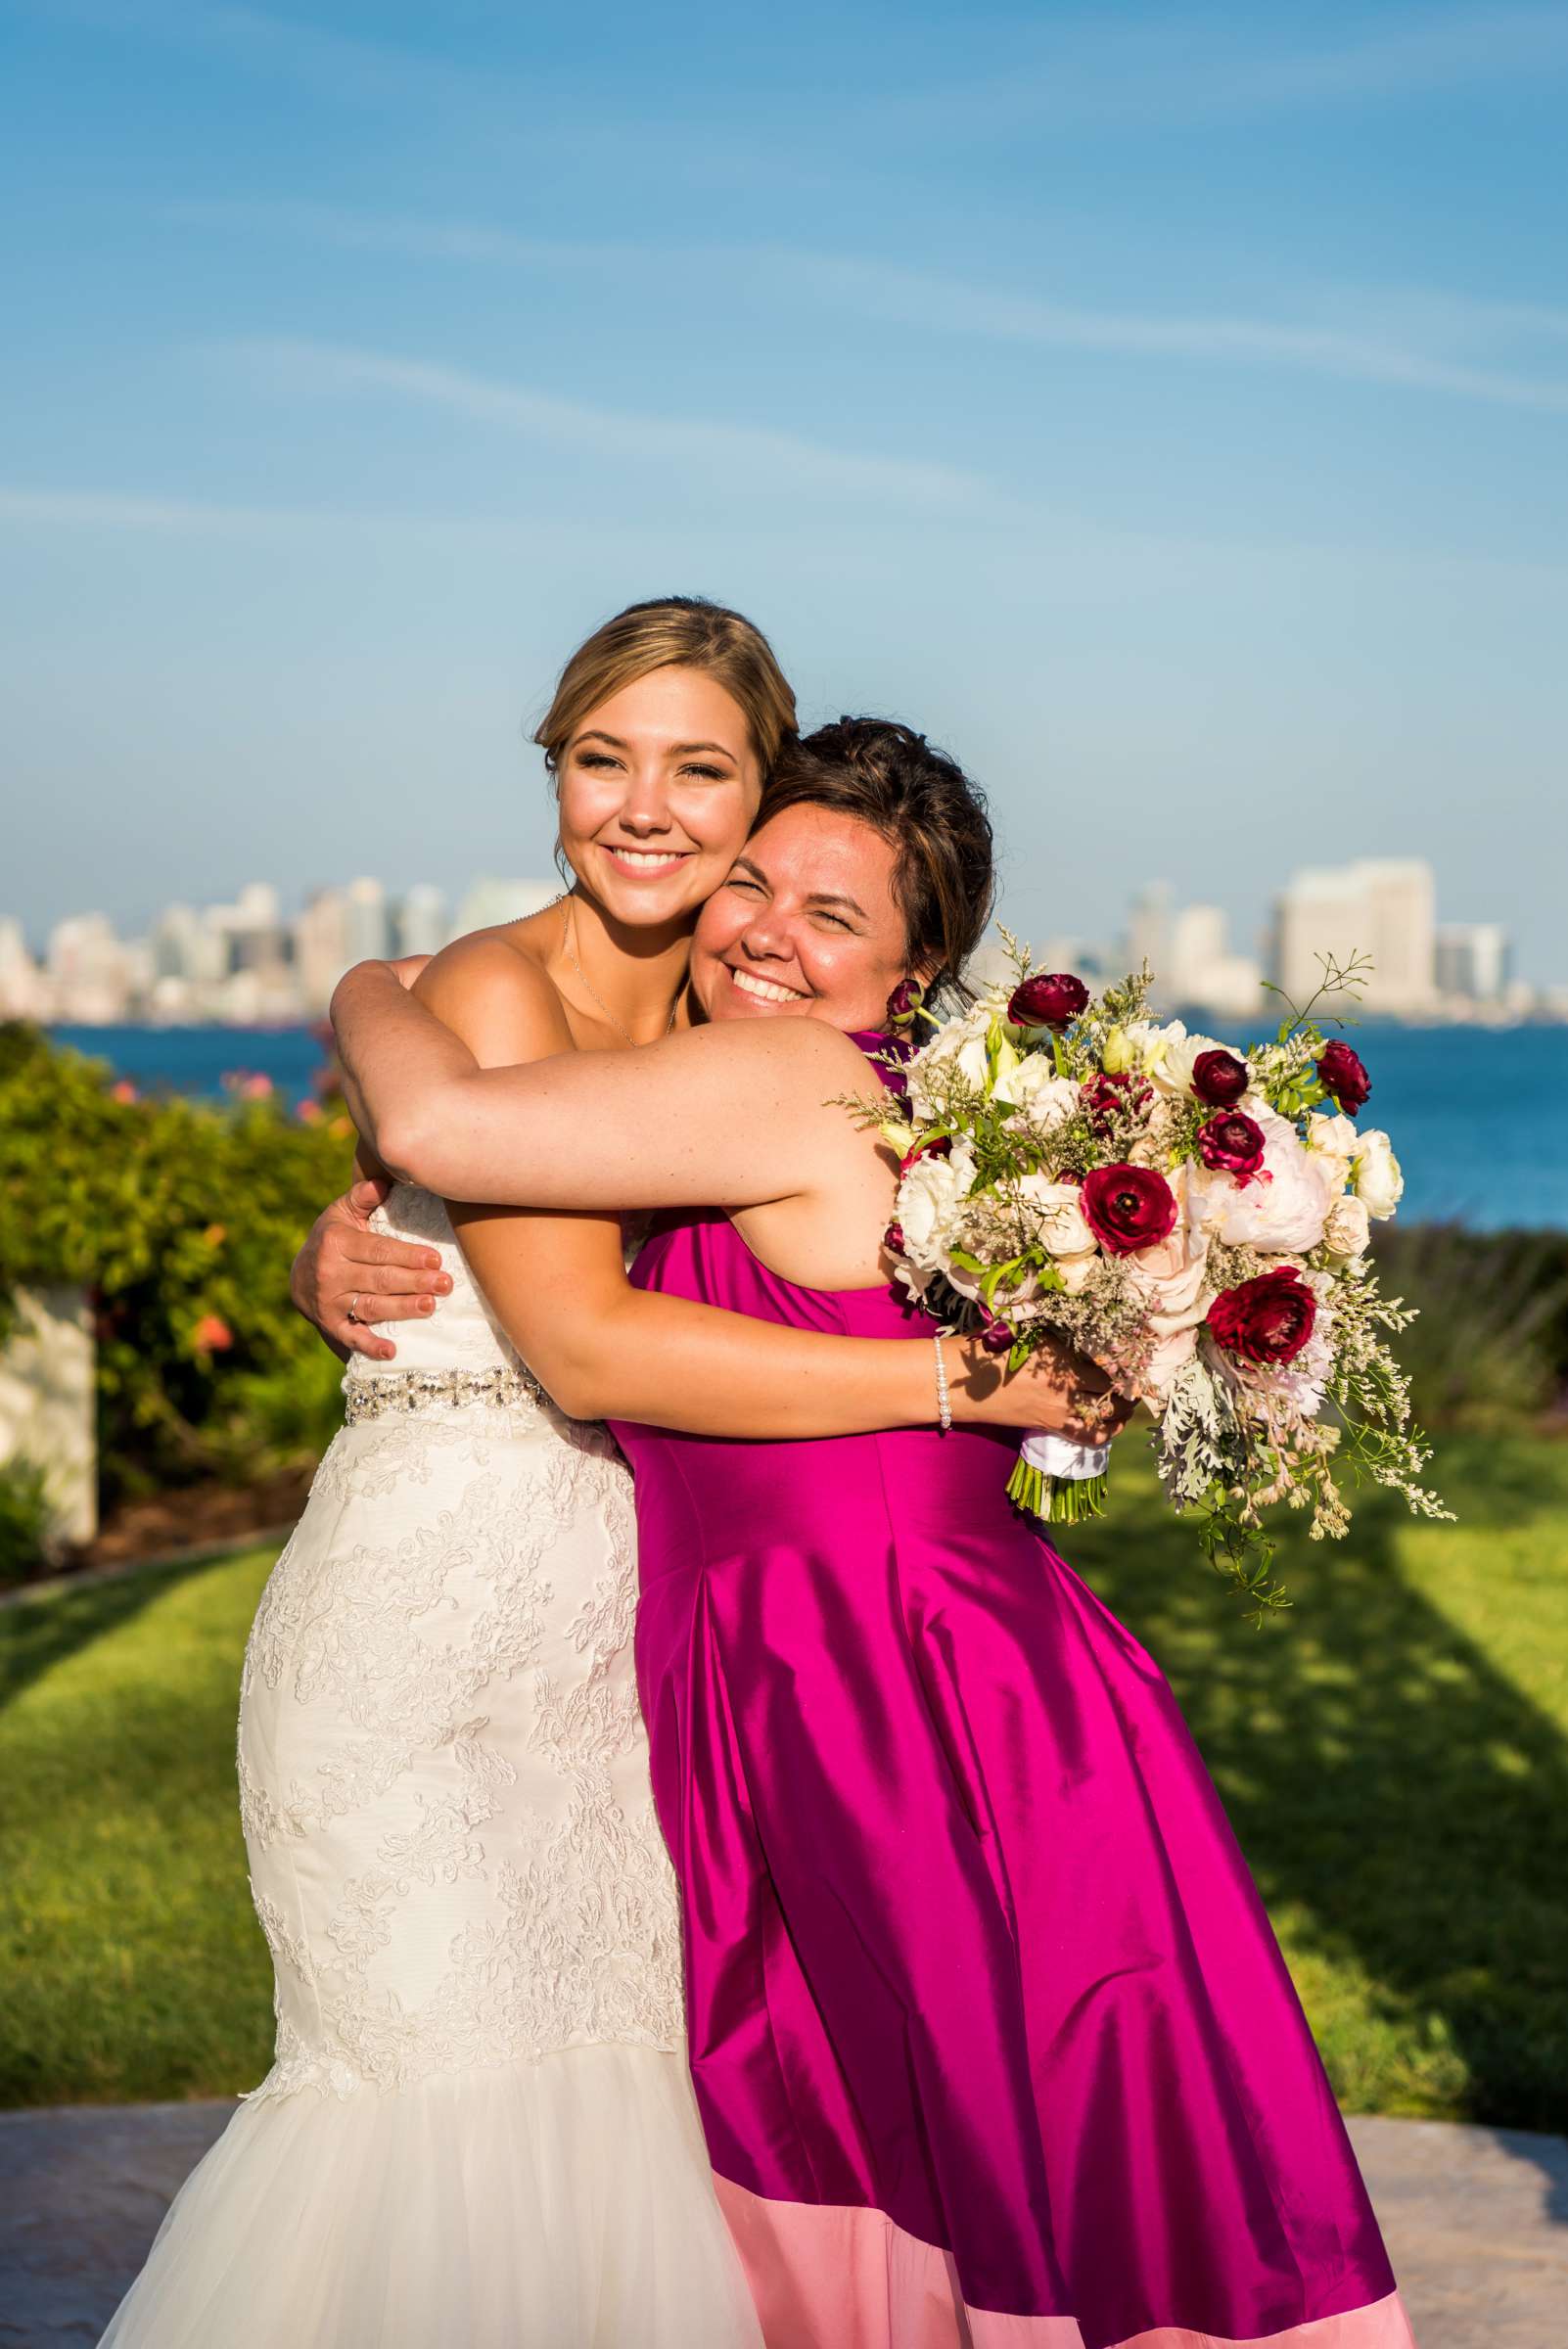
[991,2037]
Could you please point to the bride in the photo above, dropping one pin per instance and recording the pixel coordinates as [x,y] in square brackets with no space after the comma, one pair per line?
[479,2128]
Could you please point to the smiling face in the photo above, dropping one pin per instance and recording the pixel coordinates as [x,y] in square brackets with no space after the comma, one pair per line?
[805,926]
[657,787]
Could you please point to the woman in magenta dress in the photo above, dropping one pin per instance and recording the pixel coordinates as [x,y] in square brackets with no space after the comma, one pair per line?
[992,2039]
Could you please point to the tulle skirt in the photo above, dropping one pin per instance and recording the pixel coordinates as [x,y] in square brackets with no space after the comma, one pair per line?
[564,2203]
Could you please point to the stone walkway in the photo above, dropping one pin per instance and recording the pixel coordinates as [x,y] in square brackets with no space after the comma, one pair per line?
[1476,2219]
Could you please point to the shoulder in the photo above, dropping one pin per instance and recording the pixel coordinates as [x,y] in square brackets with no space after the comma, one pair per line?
[803,1053]
[497,997]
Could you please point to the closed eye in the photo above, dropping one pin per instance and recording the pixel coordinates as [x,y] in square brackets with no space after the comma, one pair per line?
[707,774]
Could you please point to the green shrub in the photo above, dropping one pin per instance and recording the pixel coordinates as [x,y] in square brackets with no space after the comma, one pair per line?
[24,1522]
[180,1219]
[1488,1351]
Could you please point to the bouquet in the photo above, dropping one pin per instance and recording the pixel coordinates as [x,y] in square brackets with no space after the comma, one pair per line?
[1193,1217]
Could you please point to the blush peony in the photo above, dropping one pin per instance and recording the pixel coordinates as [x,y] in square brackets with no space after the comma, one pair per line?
[1282,1209]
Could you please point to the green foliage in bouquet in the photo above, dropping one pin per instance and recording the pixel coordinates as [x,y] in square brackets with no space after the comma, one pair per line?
[180,1219]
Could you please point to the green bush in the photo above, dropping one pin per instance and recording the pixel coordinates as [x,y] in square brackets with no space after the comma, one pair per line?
[24,1522]
[1489,1349]
[180,1219]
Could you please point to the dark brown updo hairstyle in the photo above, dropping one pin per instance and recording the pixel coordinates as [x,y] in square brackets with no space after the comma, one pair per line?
[923,803]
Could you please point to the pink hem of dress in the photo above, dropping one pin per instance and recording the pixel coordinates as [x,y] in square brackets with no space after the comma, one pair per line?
[836,2276]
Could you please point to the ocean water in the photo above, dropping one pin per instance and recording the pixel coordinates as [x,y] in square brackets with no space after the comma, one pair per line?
[1478,1117]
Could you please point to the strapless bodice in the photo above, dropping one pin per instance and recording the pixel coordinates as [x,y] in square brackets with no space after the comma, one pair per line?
[462,1333]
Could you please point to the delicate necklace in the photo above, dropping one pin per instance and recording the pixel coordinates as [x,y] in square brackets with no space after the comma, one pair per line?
[567,932]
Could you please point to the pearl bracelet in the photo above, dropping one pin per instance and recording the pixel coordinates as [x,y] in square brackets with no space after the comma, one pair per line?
[943,1398]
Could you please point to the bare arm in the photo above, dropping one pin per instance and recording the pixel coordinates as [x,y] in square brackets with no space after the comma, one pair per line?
[603,1349]
[725,1117]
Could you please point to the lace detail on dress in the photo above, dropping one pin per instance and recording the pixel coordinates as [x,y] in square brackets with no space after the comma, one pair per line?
[443,1776]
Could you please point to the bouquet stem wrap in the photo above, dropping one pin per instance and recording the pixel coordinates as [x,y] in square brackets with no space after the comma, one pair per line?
[1058,1480]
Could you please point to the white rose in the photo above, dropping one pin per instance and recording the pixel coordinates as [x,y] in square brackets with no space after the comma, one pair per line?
[1076,1272]
[960,1042]
[1282,1209]
[1034,1088]
[1153,1044]
[1335,1141]
[1061,1227]
[1349,1228]
[1379,1184]
[928,1198]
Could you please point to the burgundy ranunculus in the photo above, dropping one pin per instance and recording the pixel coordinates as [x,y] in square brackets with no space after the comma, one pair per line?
[997,1338]
[904,1002]
[1122,1091]
[1269,1319]
[1128,1208]
[1342,1074]
[1047,1001]
[893,1239]
[1219,1079]
[1231,1144]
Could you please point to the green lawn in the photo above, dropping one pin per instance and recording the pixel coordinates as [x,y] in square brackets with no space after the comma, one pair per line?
[1394,1753]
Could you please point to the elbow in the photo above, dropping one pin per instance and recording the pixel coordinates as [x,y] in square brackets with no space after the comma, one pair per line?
[580,1390]
[406,1141]
[588,1380]
[577,1398]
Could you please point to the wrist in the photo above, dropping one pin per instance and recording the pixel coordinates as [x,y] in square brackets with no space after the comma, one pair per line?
[974,1382]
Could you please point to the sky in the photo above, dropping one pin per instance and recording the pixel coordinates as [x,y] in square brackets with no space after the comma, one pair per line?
[1166,411]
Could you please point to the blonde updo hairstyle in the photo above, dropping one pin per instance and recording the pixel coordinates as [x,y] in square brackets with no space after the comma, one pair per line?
[674,631]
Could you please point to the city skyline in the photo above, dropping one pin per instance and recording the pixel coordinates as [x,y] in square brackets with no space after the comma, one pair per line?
[1164,409]
[248,962]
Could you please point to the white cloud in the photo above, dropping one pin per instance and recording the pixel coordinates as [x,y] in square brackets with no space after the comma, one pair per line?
[1196,68]
[1405,337]
[949,306]
[750,459]
[92,509]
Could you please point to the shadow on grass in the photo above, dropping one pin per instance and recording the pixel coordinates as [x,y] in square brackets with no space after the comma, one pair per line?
[38,1632]
[1402,1802]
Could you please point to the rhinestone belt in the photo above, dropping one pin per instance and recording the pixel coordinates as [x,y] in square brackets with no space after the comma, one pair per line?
[418,1390]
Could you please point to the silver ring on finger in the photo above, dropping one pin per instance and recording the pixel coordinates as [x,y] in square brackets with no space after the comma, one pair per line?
[353,1306]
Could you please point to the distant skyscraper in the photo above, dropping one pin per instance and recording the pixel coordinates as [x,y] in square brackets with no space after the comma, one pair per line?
[24,993]
[1202,969]
[1148,936]
[88,969]
[321,947]
[176,945]
[1474,959]
[1381,907]
[489,901]
[422,923]
[368,920]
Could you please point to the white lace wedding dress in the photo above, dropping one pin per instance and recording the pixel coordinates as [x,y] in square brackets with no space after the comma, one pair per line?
[478,2130]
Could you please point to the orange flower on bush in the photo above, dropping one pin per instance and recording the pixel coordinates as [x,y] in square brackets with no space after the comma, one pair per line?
[212,1335]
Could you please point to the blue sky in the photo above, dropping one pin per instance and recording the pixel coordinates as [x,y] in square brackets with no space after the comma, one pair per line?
[1166,410]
